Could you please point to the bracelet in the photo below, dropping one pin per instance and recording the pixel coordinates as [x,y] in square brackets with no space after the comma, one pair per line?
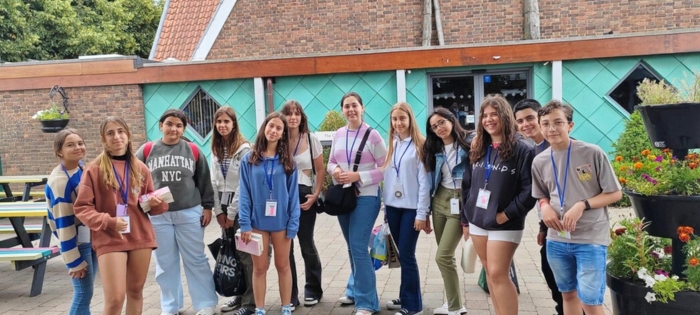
[588,205]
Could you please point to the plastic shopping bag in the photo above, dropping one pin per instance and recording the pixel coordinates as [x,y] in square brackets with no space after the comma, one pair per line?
[378,250]
[229,278]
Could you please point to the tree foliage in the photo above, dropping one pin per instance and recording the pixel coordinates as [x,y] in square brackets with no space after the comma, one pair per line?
[66,29]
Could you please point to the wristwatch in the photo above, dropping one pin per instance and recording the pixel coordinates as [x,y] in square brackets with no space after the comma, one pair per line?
[588,205]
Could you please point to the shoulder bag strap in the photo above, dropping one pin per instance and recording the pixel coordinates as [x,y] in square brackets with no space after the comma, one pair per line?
[358,155]
[313,168]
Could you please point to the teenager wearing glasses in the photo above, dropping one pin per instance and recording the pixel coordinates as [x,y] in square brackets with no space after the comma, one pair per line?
[445,155]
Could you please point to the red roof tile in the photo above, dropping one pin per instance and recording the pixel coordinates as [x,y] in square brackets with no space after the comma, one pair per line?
[185,23]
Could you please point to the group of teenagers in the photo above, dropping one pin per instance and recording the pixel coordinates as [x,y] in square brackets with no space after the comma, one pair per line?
[479,184]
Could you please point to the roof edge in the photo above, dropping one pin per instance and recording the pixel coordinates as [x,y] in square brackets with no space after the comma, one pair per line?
[206,42]
[163,15]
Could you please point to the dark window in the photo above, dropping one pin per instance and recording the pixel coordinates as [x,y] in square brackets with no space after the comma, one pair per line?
[200,111]
[513,86]
[625,93]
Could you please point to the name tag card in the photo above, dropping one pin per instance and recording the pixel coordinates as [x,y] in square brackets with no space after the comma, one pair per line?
[271,208]
[482,200]
[454,206]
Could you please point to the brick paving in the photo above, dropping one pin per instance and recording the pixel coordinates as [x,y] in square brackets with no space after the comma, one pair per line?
[534,296]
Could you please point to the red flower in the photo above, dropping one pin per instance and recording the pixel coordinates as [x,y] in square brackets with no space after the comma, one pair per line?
[693,261]
[684,237]
[685,229]
[620,231]
[668,250]
[634,158]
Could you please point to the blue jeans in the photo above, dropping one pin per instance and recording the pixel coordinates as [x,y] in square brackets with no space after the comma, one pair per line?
[356,227]
[180,233]
[401,222]
[579,267]
[83,288]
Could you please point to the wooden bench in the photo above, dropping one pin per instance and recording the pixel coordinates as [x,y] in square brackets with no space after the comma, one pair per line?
[30,228]
[33,194]
[27,255]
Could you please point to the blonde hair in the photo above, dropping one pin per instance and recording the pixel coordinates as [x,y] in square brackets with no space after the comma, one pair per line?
[104,160]
[416,135]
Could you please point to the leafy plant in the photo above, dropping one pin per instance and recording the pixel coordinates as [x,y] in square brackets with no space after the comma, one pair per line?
[53,112]
[659,93]
[659,174]
[332,122]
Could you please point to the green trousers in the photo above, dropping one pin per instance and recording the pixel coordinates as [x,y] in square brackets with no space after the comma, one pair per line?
[448,231]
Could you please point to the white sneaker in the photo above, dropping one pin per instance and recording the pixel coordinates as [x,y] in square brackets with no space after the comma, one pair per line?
[346,300]
[453,313]
[209,310]
[444,310]
[166,313]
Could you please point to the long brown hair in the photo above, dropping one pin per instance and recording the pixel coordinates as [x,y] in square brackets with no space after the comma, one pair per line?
[256,154]
[60,139]
[433,144]
[234,140]
[104,160]
[289,107]
[483,138]
[416,136]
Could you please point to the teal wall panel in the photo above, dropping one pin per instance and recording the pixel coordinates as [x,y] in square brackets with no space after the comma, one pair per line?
[586,84]
[234,93]
[319,94]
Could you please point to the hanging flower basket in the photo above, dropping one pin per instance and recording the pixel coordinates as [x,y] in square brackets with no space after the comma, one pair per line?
[53,125]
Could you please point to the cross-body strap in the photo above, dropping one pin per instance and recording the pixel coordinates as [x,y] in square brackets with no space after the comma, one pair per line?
[358,155]
[313,168]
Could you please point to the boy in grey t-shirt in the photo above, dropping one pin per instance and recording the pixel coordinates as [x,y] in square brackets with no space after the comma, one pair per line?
[574,183]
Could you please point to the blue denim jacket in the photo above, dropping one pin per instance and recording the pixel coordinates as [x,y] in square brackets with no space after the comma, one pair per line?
[457,171]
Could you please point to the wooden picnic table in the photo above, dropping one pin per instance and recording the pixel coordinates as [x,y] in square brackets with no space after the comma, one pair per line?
[27,255]
[29,181]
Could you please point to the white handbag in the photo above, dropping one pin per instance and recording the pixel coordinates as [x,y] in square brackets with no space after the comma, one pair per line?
[468,256]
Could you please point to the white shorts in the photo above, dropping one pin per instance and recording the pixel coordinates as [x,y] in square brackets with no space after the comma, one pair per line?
[496,235]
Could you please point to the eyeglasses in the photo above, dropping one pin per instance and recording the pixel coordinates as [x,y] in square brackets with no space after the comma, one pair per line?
[557,125]
[439,124]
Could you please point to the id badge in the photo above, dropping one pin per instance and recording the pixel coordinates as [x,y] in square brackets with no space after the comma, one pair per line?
[454,206]
[83,234]
[128,225]
[482,200]
[121,213]
[121,210]
[398,190]
[271,208]
[225,198]
[564,233]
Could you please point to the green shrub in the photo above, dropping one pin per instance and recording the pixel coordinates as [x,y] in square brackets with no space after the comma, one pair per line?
[633,139]
[332,122]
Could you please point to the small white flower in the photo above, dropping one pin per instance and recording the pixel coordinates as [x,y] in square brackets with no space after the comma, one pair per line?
[642,273]
[660,278]
[651,297]
[674,277]
[660,252]
[649,282]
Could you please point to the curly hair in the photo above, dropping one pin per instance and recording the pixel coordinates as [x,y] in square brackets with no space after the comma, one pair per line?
[483,139]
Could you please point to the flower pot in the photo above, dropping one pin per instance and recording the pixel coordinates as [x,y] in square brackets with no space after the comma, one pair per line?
[666,214]
[672,126]
[53,125]
[629,298]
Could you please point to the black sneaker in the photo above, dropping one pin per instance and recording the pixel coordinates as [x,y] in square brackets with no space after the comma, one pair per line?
[232,304]
[404,311]
[394,304]
[243,311]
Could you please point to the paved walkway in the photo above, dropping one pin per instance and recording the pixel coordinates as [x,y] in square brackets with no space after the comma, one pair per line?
[534,296]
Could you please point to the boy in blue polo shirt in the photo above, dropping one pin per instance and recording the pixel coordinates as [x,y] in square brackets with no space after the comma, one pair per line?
[574,183]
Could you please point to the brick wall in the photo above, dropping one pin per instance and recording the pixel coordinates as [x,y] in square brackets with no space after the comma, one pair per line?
[26,150]
[268,28]
[567,18]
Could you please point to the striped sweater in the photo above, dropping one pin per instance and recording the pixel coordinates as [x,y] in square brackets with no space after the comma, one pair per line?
[60,193]
[373,157]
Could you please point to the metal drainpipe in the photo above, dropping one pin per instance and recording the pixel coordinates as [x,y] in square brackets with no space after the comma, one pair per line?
[270,97]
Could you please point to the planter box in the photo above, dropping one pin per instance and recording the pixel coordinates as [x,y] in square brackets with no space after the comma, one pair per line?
[673,126]
[628,298]
[666,213]
[54,125]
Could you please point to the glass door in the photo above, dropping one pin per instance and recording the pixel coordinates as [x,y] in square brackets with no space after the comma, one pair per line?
[457,95]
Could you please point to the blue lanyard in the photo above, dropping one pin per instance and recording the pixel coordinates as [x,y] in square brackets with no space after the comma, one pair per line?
[561,192]
[489,167]
[448,164]
[397,166]
[268,177]
[297,148]
[80,174]
[348,153]
[124,192]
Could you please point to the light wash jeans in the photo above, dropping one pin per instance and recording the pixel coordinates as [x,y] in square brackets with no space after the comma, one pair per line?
[83,288]
[356,227]
[180,234]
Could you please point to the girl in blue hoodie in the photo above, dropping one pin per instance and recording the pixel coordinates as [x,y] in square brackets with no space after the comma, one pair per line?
[269,205]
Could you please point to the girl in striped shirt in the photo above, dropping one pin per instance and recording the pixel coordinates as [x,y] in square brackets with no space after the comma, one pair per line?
[74,238]
[357,225]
